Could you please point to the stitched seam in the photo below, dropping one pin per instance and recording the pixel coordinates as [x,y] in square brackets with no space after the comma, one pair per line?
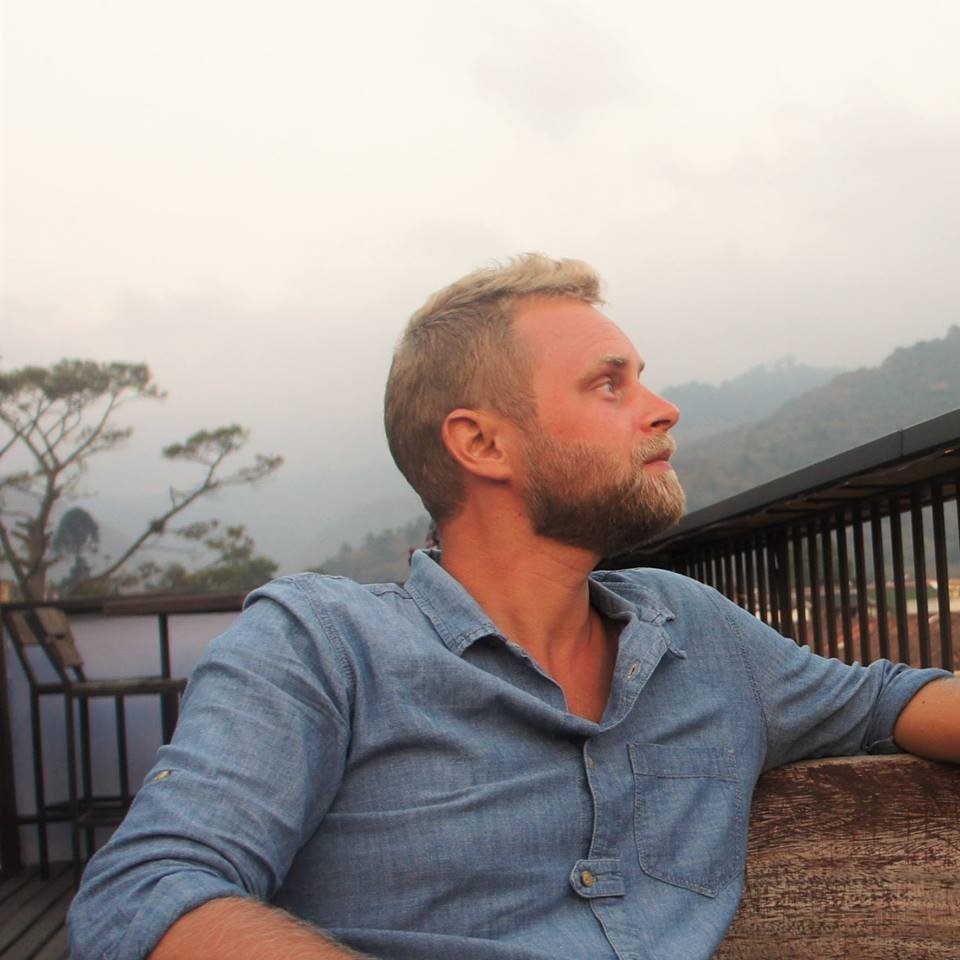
[332,635]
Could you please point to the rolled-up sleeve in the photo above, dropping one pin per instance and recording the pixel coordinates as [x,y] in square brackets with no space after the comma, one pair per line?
[818,707]
[256,760]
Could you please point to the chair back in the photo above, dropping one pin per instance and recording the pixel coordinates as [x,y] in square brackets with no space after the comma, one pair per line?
[49,629]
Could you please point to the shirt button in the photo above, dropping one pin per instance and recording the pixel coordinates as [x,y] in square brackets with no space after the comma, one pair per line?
[633,671]
[591,763]
[587,878]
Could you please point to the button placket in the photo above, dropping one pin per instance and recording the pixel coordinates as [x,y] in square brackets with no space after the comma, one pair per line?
[598,878]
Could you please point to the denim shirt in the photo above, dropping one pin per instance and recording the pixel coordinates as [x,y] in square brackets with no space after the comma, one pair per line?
[382,762]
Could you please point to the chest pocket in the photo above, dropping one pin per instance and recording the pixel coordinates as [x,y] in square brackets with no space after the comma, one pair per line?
[690,819]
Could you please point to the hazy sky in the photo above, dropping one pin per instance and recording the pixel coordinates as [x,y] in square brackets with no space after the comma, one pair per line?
[252,195]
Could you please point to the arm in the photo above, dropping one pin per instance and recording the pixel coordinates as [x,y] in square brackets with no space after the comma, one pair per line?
[238,929]
[930,723]
[255,762]
[819,707]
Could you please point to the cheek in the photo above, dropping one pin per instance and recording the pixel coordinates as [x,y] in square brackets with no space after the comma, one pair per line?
[598,423]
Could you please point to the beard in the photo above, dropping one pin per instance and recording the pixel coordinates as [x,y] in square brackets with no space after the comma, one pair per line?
[582,495]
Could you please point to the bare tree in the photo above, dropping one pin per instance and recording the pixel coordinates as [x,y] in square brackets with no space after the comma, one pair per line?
[52,421]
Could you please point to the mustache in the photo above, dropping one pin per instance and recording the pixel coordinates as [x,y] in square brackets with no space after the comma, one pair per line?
[654,448]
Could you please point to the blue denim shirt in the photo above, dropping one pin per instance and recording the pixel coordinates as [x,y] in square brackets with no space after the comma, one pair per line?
[382,762]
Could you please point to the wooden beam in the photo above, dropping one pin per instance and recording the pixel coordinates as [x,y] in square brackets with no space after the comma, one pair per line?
[852,858]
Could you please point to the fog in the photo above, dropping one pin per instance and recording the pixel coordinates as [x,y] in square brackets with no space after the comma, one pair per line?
[251,197]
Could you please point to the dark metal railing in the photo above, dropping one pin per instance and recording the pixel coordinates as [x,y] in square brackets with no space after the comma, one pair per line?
[162,607]
[852,556]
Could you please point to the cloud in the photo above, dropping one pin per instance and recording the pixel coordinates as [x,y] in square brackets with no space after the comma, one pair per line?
[549,65]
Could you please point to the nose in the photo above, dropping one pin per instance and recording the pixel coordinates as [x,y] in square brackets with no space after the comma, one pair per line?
[657,414]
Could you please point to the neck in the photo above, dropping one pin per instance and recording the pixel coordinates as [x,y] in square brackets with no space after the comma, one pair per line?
[535,590]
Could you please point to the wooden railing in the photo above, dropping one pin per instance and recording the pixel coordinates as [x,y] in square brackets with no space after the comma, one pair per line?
[852,859]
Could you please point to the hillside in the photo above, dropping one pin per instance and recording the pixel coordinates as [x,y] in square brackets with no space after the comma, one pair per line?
[708,408]
[381,557]
[913,384]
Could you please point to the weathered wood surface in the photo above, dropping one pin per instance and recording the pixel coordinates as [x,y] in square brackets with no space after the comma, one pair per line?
[855,858]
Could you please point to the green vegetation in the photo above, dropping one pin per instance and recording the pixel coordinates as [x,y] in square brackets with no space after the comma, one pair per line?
[234,566]
[383,557]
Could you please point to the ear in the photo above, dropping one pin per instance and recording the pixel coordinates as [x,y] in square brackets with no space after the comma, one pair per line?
[475,439]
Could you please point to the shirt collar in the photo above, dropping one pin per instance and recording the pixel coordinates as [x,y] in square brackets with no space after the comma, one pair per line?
[461,621]
[625,599]
[444,601]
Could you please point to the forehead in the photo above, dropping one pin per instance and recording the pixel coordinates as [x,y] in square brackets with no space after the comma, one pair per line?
[568,337]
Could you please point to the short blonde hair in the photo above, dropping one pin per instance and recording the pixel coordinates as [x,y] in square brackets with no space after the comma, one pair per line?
[458,350]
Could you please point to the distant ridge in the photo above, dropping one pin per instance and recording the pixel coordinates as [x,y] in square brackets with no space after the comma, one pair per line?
[706,409]
[914,383]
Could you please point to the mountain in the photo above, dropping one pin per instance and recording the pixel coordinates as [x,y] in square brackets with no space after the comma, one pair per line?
[913,384]
[707,409]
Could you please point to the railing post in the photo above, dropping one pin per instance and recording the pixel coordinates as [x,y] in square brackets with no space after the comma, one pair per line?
[10,861]
[880,580]
[860,572]
[815,584]
[796,535]
[782,557]
[920,578]
[843,579]
[899,580]
[943,578]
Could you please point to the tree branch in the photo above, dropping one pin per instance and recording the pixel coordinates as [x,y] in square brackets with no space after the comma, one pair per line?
[95,431]
[155,529]
[25,437]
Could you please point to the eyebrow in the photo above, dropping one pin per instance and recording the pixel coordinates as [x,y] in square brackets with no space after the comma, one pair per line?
[608,361]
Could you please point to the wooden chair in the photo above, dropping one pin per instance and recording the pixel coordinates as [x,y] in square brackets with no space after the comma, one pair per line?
[48,628]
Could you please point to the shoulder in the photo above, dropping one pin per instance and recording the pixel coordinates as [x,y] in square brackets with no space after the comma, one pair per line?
[330,599]
[662,587]
[318,589]
[303,615]
[302,632]
[331,610]
[694,610]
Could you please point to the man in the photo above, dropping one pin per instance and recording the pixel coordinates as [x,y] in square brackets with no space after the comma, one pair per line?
[508,758]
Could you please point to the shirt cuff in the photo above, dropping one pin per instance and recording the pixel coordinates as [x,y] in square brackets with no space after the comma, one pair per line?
[175,895]
[898,692]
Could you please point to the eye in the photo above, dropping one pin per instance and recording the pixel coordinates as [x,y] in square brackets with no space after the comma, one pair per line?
[608,385]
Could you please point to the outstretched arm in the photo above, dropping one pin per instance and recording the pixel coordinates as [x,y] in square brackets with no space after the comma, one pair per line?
[929,724]
[233,928]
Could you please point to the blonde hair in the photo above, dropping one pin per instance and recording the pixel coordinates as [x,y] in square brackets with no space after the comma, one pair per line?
[458,350]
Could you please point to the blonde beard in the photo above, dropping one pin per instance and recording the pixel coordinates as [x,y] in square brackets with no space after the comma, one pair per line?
[580,494]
